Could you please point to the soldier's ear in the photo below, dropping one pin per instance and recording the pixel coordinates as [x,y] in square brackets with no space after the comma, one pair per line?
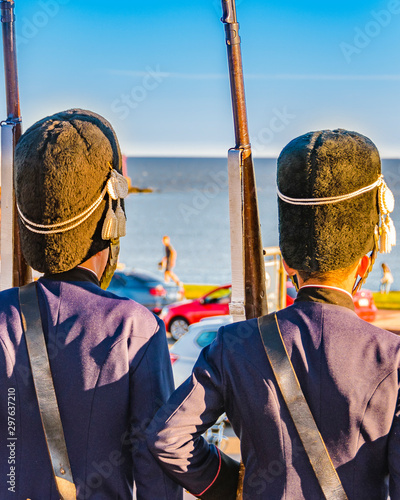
[363,266]
[290,271]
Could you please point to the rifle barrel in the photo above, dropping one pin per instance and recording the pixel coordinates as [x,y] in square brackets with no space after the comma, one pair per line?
[254,271]
[236,75]
[254,267]
[10,61]
[21,272]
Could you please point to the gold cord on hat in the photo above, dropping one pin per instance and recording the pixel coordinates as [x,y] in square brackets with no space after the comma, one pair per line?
[387,231]
[114,224]
[61,227]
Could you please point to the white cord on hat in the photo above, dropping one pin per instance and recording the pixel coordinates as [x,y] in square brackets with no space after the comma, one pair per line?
[48,228]
[387,231]
[331,199]
[114,224]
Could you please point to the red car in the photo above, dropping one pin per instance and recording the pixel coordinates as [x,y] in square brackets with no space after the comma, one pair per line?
[179,316]
[364,305]
[291,293]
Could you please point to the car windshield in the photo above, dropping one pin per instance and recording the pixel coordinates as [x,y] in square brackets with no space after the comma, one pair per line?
[220,296]
[205,338]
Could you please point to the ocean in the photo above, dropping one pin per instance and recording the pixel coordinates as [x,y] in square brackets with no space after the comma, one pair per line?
[190,203]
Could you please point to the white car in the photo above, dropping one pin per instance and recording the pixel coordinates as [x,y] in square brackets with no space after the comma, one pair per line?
[186,350]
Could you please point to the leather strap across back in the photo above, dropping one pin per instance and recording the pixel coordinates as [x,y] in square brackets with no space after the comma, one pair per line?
[45,393]
[299,410]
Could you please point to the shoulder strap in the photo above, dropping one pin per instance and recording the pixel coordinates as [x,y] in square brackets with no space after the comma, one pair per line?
[299,410]
[45,393]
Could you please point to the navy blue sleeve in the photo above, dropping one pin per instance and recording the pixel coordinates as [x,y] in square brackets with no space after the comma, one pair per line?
[394,454]
[151,385]
[175,435]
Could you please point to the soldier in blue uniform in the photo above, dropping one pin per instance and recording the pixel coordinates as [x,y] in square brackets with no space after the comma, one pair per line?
[333,215]
[108,356]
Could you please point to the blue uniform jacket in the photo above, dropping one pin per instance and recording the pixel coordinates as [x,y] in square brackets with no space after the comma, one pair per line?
[111,371]
[349,373]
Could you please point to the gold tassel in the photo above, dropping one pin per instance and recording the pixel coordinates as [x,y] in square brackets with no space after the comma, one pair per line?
[115,222]
[112,186]
[117,186]
[110,226]
[387,229]
[121,220]
[392,231]
[122,187]
[388,236]
[384,241]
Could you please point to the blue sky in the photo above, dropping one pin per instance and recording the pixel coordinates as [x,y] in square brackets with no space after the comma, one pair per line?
[157,70]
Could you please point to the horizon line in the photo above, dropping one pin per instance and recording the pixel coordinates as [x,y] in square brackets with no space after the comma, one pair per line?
[255,76]
[214,157]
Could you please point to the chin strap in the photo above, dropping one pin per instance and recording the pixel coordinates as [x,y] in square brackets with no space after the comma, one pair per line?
[358,284]
[295,282]
[111,264]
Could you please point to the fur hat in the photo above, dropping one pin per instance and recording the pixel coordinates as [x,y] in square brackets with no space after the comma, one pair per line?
[62,165]
[326,237]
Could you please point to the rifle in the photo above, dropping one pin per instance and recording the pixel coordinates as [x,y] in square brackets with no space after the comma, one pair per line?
[14,270]
[248,292]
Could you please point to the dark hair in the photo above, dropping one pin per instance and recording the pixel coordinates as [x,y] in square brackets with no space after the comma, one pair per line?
[338,274]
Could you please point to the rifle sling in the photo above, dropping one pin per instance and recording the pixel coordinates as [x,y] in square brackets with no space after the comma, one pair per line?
[45,393]
[299,410]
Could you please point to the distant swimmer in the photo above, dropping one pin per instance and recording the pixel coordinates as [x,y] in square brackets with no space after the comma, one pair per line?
[168,262]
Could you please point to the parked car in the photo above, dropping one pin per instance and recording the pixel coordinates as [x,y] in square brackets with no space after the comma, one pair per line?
[364,305]
[178,317]
[145,288]
[185,352]
[291,293]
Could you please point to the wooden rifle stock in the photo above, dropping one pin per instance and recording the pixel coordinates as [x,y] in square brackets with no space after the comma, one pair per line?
[253,261]
[21,272]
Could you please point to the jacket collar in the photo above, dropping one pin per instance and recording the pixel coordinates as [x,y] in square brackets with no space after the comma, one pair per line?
[325,295]
[75,274]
